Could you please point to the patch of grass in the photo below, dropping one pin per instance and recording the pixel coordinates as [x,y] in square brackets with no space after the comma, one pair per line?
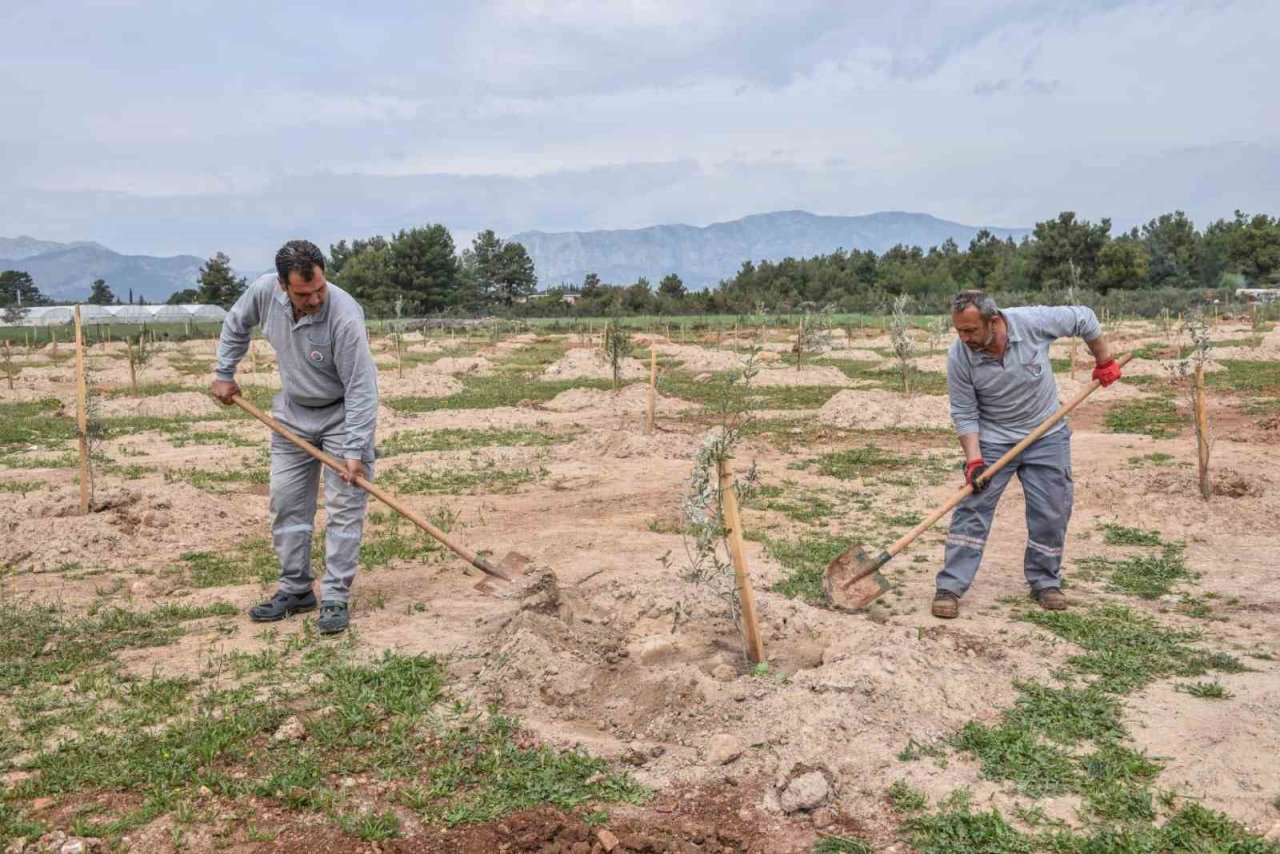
[1013,752]
[371,826]
[453,439]
[1154,416]
[1068,715]
[956,829]
[804,559]
[42,423]
[906,799]
[854,463]
[212,480]
[720,392]
[1206,690]
[20,486]
[252,562]
[1156,459]
[1119,535]
[802,506]
[921,382]
[452,482]
[492,391]
[841,845]
[1127,650]
[1243,375]
[1144,576]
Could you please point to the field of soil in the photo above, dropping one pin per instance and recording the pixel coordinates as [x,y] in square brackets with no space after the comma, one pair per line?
[603,701]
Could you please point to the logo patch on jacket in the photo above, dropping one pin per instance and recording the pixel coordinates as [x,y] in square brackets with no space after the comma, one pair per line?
[317,356]
[1034,368]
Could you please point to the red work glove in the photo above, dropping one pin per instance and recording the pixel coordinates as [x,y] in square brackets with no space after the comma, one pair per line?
[1107,372]
[971,473]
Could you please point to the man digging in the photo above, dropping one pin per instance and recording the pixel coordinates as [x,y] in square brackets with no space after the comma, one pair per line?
[1001,386]
[329,396]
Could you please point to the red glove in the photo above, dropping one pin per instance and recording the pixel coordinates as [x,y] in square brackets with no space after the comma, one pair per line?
[971,473]
[1107,372]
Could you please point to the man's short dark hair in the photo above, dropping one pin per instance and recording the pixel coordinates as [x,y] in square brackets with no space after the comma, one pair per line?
[301,257]
[980,300]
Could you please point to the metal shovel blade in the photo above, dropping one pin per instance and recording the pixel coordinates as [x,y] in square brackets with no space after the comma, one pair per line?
[853,579]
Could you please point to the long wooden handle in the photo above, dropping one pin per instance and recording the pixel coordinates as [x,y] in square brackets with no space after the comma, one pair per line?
[373,489]
[965,491]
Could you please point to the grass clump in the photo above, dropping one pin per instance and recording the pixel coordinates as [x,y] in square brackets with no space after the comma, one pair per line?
[804,559]
[1144,576]
[1156,417]
[1127,650]
[906,799]
[1206,690]
[488,479]
[454,439]
[1120,535]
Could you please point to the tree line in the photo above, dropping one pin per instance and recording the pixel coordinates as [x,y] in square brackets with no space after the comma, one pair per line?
[1166,263]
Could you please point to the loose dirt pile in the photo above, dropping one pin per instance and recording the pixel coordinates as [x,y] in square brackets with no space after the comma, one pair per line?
[631,398]
[824,375]
[877,410]
[417,382]
[583,363]
[185,403]
[136,526]
[476,365]
[698,359]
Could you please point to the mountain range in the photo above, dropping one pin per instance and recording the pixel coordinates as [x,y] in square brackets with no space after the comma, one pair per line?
[65,271]
[703,256]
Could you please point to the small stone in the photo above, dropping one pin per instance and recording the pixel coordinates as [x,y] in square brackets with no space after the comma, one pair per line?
[72,846]
[606,839]
[823,817]
[723,749]
[41,803]
[724,672]
[205,792]
[155,519]
[878,614]
[738,693]
[702,378]
[806,792]
[291,730]
[655,650]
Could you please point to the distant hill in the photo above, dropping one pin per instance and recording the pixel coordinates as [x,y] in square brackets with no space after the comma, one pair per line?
[704,256]
[67,271]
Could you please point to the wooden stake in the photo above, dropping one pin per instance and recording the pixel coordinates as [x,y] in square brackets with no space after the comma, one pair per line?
[53,333]
[737,551]
[1202,434]
[82,414]
[8,363]
[653,387]
[133,370]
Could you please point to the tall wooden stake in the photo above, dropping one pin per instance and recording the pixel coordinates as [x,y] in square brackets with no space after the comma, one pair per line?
[133,368]
[8,363]
[1202,434]
[53,334]
[653,387]
[82,414]
[737,551]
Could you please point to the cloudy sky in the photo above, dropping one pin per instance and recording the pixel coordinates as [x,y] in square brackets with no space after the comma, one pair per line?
[159,128]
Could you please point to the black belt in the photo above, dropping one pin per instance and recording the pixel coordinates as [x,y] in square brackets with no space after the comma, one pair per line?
[296,402]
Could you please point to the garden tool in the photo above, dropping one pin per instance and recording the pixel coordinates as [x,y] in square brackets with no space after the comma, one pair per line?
[507,569]
[853,579]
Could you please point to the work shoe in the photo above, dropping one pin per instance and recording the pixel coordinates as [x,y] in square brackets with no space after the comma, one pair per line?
[1051,599]
[333,618]
[946,605]
[281,605]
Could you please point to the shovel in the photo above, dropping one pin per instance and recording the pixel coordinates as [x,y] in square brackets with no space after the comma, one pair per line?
[510,566]
[853,579]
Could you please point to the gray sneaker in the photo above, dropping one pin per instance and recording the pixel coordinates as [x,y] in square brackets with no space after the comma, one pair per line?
[333,618]
[281,605]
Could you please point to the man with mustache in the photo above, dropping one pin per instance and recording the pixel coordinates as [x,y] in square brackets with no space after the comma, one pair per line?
[329,396]
[1001,386]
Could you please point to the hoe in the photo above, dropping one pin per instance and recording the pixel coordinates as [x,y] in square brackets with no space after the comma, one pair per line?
[853,579]
[507,569]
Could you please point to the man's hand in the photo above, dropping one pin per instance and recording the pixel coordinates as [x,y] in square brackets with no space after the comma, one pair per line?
[972,471]
[1107,372]
[224,390]
[353,470]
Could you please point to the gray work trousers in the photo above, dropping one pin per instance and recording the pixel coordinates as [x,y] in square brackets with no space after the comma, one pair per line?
[294,480]
[1044,470]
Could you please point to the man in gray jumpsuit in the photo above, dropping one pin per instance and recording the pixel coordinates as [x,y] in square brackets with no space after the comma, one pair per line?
[1001,386]
[329,397]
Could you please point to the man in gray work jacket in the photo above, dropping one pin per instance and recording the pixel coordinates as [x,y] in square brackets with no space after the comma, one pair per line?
[1001,385]
[329,397]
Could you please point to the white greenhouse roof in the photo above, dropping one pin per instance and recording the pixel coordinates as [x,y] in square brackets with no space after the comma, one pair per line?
[53,315]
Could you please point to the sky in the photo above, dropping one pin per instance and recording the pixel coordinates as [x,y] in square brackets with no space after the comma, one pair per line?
[195,127]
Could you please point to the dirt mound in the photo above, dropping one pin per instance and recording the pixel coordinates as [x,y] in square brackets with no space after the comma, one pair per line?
[1161,368]
[621,444]
[419,382]
[825,375]
[477,365]
[1233,484]
[700,359]
[876,410]
[632,398]
[583,363]
[126,526]
[1069,388]
[165,405]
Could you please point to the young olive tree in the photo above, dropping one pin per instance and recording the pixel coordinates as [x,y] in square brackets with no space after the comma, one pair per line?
[900,335]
